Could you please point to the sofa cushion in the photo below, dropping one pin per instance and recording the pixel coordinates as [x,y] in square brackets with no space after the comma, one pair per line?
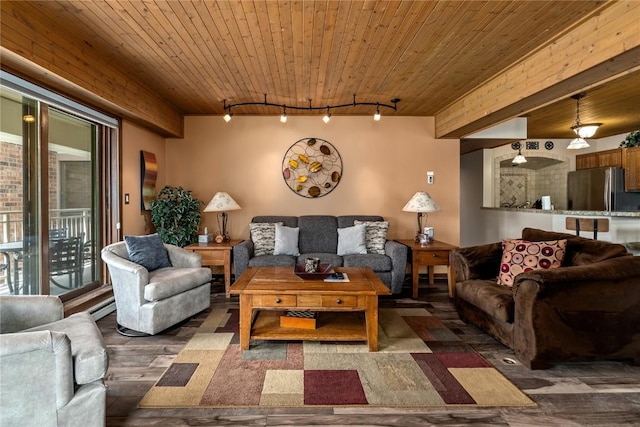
[376,262]
[580,250]
[167,282]
[286,242]
[318,233]
[351,240]
[263,236]
[493,299]
[147,251]
[376,235]
[90,358]
[272,261]
[519,256]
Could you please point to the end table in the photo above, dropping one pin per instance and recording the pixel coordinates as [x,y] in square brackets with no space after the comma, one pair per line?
[430,255]
[216,254]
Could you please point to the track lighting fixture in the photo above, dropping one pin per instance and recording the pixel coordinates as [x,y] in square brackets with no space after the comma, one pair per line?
[326,118]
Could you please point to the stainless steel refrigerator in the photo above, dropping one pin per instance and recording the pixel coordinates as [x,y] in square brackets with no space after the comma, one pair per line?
[600,189]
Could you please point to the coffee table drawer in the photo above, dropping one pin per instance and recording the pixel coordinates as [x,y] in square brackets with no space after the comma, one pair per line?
[274,300]
[339,301]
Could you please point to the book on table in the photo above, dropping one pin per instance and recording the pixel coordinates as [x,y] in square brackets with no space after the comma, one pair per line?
[299,319]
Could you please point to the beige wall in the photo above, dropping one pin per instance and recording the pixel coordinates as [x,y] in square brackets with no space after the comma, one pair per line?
[384,164]
[134,140]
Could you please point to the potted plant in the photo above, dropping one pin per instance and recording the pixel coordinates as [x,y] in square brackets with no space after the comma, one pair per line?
[176,215]
[632,140]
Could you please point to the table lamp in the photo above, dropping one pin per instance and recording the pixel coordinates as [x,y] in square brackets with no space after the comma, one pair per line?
[421,203]
[221,203]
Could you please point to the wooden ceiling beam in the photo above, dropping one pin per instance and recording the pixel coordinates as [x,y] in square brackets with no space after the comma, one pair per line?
[34,47]
[601,47]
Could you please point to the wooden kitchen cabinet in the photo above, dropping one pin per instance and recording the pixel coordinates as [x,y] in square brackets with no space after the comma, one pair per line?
[600,159]
[631,166]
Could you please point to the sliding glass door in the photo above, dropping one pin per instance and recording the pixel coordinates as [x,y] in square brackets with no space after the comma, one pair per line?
[52,188]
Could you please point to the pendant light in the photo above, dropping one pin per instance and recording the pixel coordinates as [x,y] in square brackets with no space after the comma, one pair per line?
[582,130]
[519,158]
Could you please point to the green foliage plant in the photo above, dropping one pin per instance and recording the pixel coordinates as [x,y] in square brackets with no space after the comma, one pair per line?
[176,215]
[632,140]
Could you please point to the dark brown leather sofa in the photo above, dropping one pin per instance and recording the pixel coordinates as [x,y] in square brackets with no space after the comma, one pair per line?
[588,309]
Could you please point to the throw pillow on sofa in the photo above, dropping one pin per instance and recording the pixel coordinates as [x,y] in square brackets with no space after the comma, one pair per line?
[263,236]
[375,235]
[147,251]
[286,240]
[352,240]
[519,256]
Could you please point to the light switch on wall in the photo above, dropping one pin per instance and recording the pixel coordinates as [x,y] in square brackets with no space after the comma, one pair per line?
[430,177]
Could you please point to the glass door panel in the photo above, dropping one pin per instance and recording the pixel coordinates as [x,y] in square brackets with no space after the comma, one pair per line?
[72,196]
[19,204]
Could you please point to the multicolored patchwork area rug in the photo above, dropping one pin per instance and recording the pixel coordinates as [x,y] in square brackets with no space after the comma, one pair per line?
[420,363]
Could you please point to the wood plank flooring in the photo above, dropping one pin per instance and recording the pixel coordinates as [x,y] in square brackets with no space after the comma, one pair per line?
[570,394]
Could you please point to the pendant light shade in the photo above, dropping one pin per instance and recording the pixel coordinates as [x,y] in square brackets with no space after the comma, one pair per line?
[578,143]
[519,158]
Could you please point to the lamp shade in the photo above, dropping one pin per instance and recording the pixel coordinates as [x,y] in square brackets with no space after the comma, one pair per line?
[222,202]
[421,202]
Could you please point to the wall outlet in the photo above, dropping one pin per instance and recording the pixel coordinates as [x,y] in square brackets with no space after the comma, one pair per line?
[429,177]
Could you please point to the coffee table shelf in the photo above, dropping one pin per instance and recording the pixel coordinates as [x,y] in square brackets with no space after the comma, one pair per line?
[332,326]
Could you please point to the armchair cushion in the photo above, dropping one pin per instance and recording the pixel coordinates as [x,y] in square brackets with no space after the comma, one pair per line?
[147,251]
[167,282]
[87,347]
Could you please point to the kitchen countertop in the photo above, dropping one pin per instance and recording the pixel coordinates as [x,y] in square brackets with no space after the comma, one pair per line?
[635,214]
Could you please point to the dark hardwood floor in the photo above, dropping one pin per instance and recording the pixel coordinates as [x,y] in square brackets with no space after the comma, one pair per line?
[569,394]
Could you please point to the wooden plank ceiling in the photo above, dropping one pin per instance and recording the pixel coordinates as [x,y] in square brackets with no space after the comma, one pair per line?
[195,54]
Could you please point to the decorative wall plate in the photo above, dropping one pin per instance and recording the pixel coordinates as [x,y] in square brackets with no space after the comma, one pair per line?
[515,145]
[312,167]
[533,145]
[548,145]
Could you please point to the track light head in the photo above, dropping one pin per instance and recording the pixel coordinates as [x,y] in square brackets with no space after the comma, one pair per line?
[283,117]
[327,117]
[376,116]
[227,117]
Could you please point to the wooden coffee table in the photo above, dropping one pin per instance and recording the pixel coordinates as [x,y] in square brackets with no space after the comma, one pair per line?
[347,311]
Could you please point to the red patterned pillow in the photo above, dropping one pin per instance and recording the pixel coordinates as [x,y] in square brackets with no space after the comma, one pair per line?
[519,256]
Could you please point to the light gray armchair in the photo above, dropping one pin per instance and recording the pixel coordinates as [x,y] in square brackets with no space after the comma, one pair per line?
[52,368]
[149,302]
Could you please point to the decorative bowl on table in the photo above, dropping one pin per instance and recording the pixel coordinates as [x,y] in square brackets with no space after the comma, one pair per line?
[323,272]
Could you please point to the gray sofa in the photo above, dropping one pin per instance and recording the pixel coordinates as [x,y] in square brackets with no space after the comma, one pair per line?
[318,237]
[51,368]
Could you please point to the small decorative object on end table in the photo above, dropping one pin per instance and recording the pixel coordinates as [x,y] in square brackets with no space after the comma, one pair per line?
[216,254]
[429,255]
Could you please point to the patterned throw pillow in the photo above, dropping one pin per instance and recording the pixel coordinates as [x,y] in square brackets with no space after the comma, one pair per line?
[519,256]
[147,251]
[263,236]
[375,236]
